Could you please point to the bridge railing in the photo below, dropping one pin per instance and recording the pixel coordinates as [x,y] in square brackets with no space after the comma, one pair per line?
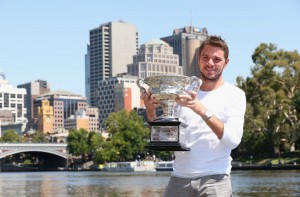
[34,144]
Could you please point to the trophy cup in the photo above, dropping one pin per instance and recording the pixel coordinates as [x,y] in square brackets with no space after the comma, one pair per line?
[165,130]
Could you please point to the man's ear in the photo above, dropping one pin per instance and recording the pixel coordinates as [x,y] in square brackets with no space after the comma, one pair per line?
[226,62]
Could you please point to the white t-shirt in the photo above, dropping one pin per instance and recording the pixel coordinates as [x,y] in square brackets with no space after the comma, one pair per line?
[210,155]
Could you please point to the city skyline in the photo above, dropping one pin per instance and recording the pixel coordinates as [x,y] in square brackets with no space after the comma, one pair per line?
[47,40]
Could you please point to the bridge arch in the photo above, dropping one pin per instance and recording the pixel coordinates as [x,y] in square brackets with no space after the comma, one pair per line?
[58,149]
[12,152]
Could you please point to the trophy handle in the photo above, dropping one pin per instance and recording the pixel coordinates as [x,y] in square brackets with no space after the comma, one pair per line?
[195,83]
[138,83]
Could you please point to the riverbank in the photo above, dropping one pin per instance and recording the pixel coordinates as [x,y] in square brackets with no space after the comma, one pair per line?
[235,166]
[266,167]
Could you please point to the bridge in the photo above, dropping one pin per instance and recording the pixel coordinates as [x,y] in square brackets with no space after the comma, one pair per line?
[58,149]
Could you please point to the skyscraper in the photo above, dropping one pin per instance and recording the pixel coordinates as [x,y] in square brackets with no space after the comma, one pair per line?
[111,47]
[155,57]
[185,42]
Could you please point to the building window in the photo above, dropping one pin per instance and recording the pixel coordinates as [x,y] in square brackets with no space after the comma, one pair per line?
[6,100]
[19,110]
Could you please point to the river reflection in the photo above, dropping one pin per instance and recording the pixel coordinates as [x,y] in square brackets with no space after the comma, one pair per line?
[263,183]
[143,184]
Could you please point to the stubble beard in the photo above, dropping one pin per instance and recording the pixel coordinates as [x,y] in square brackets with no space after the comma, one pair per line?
[211,79]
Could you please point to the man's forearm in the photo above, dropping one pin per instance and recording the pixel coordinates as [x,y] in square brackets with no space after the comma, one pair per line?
[151,114]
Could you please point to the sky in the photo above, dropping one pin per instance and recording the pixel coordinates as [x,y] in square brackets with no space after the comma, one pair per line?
[46,39]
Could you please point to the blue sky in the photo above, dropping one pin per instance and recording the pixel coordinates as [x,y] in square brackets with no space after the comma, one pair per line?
[47,39]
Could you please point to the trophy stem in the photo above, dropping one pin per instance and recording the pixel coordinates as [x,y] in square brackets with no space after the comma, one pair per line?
[168,109]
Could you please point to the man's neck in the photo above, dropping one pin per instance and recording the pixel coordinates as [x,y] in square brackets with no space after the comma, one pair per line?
[209,85]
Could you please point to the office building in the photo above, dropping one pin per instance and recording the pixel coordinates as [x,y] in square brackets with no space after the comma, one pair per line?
[12,99]
[78,121]
[93,114]
[155,57]
[111,47]
[64,104]
[185,42]
[33,90]
[117,93]
[84,119]
[59,107]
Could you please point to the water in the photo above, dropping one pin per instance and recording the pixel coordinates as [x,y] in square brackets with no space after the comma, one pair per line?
[263,183]
[143,184]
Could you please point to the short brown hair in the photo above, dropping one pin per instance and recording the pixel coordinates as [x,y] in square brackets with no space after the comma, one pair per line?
[215,41]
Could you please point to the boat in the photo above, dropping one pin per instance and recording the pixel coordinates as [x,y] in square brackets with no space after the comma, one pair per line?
[164,166]
[129,166]
[119,167]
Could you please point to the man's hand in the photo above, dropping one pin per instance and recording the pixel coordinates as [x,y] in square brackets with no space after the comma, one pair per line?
[191,102]
[150,104]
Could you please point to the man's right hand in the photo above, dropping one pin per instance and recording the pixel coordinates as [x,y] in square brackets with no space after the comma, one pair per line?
[150,104]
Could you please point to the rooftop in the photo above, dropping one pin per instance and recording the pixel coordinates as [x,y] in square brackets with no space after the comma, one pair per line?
[156,42]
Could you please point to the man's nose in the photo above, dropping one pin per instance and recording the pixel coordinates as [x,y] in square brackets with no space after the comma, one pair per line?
[210,62]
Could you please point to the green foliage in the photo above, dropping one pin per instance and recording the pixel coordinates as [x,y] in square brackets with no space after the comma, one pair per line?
[11,136]
[273,100]
[296,101]
[27,162]
[128,136]
[38,137]
[78,143]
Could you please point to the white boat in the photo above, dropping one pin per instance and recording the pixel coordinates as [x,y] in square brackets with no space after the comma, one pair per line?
[164,166]
[119,167]
[129,166]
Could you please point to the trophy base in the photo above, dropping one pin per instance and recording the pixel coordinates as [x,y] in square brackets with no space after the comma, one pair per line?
[166,147]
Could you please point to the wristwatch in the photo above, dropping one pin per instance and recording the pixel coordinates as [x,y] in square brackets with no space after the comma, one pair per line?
[207,115]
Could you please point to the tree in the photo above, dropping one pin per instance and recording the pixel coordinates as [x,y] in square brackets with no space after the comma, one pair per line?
[96,143]
[128,136]
[38,137]
[272,100]
[78,143]
[11,136]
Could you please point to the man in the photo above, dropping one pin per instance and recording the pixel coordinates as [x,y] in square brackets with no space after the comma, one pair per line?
[214,117]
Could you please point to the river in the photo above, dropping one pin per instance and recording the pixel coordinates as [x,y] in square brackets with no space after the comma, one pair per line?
[252,183]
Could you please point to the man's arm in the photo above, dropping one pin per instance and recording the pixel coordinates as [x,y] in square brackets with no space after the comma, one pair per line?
[230,133]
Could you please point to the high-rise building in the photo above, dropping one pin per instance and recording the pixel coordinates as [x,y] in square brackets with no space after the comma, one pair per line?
[185,42]
[111,47]
[155,57]
[12,99]
[33,89]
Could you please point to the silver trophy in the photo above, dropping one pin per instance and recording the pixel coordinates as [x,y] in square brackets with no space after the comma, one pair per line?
[165,130]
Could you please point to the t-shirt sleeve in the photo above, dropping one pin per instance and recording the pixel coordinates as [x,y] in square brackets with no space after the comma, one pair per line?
[233,126]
